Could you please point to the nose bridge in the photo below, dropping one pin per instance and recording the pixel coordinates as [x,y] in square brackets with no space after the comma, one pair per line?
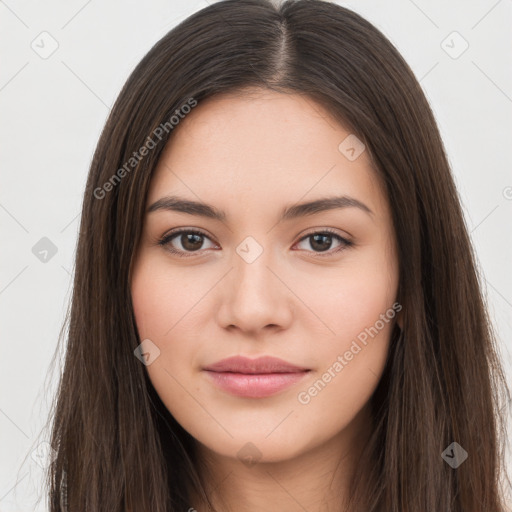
[255,297]
[252,278]
[251,273]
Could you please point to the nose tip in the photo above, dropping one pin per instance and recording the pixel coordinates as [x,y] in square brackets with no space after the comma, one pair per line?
[254,298]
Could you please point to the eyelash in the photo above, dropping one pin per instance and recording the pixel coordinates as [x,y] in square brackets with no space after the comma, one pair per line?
[166,239]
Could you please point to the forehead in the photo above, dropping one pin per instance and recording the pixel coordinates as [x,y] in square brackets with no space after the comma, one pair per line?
[259,148]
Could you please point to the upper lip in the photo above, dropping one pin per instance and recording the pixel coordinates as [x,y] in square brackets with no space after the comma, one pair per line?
[260,365]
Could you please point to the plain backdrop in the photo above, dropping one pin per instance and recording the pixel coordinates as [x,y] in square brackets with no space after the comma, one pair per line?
[63,64]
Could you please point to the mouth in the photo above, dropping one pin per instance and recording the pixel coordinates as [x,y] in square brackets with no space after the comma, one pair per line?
[254,378]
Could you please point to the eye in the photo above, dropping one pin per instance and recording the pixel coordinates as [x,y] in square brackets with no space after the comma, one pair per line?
[321,242]
[188,241]
[185,242]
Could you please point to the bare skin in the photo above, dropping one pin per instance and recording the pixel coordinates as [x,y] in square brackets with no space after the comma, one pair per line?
[299,300]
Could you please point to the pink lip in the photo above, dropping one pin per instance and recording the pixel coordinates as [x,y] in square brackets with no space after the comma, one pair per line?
[254,378]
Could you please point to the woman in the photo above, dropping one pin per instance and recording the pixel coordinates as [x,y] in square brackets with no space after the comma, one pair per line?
[276,303]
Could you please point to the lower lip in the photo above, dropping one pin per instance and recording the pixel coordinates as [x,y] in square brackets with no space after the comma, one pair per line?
[255,385]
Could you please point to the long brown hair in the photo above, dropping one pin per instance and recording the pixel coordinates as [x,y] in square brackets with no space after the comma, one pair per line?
[117,446]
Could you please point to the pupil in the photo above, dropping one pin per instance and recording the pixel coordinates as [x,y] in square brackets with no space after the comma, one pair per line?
[191,241]
[316,239]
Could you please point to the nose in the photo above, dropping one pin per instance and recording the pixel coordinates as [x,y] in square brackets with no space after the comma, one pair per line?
[255,298]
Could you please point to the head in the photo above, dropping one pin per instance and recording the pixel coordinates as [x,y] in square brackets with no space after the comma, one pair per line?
[229,125]
[253,283]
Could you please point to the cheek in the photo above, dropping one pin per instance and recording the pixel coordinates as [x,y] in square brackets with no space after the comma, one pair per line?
[157,312]
[148,304]
[161,298]
[166,306]
[349,363]
[356,303]
[160,313]
[352,299]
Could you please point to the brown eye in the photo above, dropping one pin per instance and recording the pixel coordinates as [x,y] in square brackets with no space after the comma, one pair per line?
[184,241]
[322,242]
[187,242]
[191,241]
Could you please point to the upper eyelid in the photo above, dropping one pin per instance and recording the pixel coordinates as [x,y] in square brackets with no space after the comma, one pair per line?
[180,231]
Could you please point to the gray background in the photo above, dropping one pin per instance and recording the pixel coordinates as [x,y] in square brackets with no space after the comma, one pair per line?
[53,107]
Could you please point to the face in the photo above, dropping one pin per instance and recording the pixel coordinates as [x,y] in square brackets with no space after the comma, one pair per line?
[257,274]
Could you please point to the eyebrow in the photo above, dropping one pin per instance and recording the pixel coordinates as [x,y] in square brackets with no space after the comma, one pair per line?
[178,204]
